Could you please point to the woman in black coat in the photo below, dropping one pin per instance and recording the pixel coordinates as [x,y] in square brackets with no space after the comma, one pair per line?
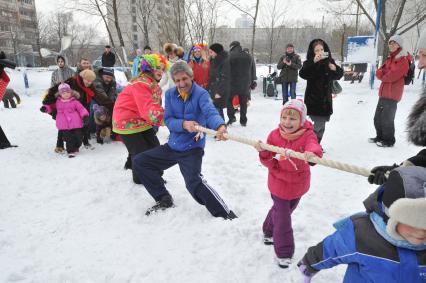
[219,77]
[319,70]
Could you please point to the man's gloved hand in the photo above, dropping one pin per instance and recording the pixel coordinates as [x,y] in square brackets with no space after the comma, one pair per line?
[43,109]
[85,121]
[378,174]
[253,85]
[307,275]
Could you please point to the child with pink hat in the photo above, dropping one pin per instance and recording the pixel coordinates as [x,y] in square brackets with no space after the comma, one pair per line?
[288,179]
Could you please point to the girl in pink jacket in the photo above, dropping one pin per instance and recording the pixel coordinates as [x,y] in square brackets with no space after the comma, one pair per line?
[288,178]
[69,117]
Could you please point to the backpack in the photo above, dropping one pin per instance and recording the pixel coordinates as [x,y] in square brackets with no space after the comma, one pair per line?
[409,77]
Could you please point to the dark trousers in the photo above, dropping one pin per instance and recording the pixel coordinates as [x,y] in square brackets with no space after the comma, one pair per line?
[278,225]
[72,139]
[139,142]
[6,102]
[4,142]
[230,111]
[86,134]
[150,164]
[60,139]
[319,125]
[384,119]
[286,93]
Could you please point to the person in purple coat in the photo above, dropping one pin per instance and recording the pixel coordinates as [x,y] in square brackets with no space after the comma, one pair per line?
[70,118]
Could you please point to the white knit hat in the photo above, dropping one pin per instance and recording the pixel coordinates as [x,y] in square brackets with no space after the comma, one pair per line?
[398,39]
[422,40]
[408,211]
[406,191]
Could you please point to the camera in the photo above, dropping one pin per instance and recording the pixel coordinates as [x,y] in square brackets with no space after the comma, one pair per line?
[324,55]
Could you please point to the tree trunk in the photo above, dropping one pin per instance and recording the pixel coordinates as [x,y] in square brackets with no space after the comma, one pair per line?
[254,27]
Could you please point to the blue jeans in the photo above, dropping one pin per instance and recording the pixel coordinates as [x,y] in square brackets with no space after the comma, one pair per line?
[292,92]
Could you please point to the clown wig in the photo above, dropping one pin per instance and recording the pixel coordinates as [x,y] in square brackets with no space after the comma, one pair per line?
[150,62]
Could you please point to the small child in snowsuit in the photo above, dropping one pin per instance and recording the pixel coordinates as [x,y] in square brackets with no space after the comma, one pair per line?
[288,179]
[70,117]
[103,123]
[385,244]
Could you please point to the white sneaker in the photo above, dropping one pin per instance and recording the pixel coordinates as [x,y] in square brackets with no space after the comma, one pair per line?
[284,262]
[268,240]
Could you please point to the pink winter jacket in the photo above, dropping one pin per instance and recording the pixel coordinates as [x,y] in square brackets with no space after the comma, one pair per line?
[285,181]
[69,115]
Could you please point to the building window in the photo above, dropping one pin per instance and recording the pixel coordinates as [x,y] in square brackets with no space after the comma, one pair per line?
[135,28]
[135,46]
[135,37]
[133,10]
[133,1]
[134,19]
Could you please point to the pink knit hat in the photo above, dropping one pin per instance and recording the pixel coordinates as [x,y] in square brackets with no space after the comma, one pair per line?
[63,87]
[299,106]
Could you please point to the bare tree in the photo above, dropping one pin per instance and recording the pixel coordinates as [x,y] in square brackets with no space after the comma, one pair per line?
[274,26]
[397,17]
[172,28]
[201,19]
[253,16]
[144,20]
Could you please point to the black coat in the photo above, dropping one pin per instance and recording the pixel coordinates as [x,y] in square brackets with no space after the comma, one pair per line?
[241,71]
[289,72]
[219,79]
[319,77]
[108,59]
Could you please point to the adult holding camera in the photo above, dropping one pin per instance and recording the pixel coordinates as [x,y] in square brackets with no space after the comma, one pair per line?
[4,81]
[319,70]
[289,64]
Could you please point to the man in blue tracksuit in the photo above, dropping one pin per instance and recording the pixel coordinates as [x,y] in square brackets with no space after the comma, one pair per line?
[385,244]
[187,105]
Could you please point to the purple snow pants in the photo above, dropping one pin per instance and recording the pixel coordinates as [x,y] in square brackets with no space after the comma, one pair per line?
[278,225]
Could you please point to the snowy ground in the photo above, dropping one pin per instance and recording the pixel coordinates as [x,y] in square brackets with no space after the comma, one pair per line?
[82,219]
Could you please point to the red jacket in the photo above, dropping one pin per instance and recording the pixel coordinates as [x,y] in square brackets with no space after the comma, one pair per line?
[392,74]
[201,72]
[285,181]
[138,107]
[4,81]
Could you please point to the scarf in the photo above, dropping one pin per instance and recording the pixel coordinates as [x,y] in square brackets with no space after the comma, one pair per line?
[198,60]
[89,92]
[380,226]
[292,136]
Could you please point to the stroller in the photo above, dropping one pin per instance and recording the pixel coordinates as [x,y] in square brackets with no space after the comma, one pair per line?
[269,85]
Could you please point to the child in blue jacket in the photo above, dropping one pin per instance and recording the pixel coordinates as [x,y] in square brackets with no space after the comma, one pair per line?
[385,244]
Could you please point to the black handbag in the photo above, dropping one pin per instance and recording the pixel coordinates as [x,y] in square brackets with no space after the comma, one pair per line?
[336,88]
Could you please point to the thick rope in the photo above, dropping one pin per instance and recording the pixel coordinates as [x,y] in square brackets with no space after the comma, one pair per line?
[288,152]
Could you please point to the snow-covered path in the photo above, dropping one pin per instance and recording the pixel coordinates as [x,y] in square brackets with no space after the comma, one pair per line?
[82,219]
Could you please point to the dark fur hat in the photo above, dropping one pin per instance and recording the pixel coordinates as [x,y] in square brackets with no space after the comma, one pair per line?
[416,125]
[179,51]
[169,47]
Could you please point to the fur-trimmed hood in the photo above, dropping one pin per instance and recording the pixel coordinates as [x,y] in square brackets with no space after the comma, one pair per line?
[73,92]
[416,124]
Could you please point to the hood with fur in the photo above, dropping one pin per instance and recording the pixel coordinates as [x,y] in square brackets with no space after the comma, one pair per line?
[73,92]
[416,124]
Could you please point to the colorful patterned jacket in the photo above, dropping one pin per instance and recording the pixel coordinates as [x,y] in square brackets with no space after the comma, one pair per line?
[138,107]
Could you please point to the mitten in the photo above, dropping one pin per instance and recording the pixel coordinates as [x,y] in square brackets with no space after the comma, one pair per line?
[43,109]
[378,174]
[253,85]
[307,275]
[85,121]
[100,140]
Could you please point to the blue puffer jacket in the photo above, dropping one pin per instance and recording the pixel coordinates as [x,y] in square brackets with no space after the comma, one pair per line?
[197,107]
[372,256]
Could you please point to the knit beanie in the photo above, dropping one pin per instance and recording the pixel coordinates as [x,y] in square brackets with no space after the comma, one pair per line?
[108,72]
[234,43]
[422,40]
[216,47]
[99,111]
[403,199]
[398,39]
[63,87]
[299,106]
[88,75]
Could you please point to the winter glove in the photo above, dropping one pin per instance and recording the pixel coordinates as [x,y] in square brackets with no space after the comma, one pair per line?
[307,275]
[253,85]
[379,174]
[100,140]
[43,109]
[86,121]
